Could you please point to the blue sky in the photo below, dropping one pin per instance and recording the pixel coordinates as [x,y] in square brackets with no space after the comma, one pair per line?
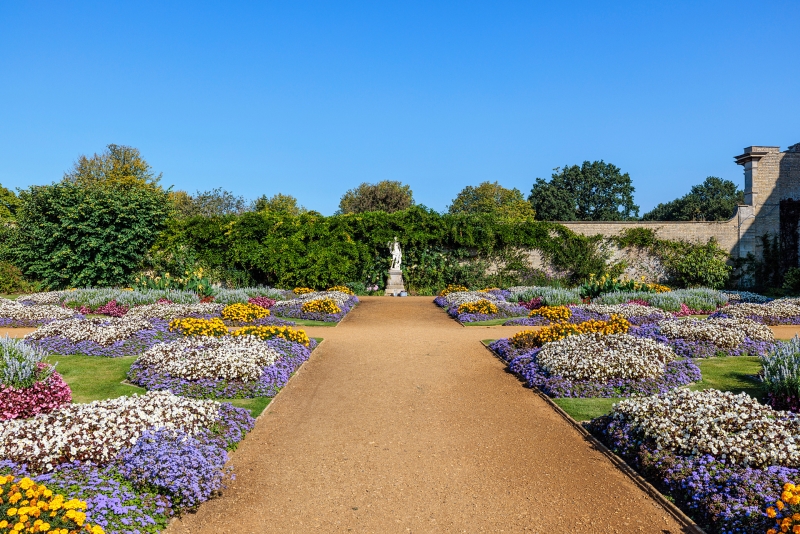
[313,98]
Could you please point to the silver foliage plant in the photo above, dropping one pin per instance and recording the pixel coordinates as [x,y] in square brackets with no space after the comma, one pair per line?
[20,364]
[781,372]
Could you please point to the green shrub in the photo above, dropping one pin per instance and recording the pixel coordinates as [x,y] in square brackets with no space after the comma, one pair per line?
[12,280]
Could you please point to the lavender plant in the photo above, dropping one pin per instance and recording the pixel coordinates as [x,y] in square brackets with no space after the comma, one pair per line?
[781,375]
[22,365]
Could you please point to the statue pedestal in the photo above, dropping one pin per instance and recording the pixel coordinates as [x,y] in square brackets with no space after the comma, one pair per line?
[394,283]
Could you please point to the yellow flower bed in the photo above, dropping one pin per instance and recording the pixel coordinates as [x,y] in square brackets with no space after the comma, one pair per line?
[244,313]
[321,306]
[658,288]
[452,288]
[302,290]
[191,326]
[29,507]
[487,289]
[341,289]
[269,332]
[481,306]
[556,314]
[536,338]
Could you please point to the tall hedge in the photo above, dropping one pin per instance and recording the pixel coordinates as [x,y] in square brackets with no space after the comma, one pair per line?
[317,251]
[73,235]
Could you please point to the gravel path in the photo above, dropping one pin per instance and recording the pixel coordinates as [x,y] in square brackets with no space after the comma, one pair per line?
[402,422]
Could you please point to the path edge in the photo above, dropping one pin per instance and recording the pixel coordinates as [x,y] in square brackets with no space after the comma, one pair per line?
[689,525]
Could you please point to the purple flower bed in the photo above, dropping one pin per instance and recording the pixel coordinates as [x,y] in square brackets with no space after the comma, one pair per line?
[522,362]
[722,498]
[702,349]
[132,346]
[579,315]
[768,320]
[275,376]
[164,473]
[296,312]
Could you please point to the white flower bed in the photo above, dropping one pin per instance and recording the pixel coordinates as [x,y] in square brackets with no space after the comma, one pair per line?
[339,297]
[173,311]
[740,297]
[604,357]
[226,358]
[625,310]
[457,298]
[103,331]
[725,333]
[35,313]
[46,297]
[736,428]
[783,308]
[97,431]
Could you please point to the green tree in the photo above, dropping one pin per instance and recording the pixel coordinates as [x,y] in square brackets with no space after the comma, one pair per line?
[387,195]
[279,203]
[214,203]
[713,200]
[8,204]
[94,227]
[118,165]
[595,191]
[494,199]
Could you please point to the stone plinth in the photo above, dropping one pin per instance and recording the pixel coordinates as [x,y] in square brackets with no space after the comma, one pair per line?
[394,283]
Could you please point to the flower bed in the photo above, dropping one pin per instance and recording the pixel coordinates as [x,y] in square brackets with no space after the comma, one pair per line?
[781,375]
[701,299]
[17,315]
[777,312]
[134,460]
[104,337]
[28,384]
[301,306]
[720,456]
[228,367]
[598,365]
[634,313]
[711,337]
[168,311]
[473,306]
[533,339]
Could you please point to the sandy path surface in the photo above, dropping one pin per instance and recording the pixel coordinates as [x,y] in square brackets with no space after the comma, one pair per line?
[15,332]
[402,422]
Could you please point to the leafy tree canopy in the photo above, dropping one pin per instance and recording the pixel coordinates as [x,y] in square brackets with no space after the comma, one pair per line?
[214,203]
[595,191]
[387,195]
[713,200]
[118,165]
[8,204]
[279,203]
[492,198]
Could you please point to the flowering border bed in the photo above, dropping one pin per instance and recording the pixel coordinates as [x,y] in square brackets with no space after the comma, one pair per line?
[274,376]
[522,362]
[295,310]
[452,301]
[41,397]
[703,349]
[131,346]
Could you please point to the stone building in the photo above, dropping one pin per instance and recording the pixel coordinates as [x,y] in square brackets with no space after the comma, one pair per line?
[771,206]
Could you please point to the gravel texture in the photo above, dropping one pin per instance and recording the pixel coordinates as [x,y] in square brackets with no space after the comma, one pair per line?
[402,422]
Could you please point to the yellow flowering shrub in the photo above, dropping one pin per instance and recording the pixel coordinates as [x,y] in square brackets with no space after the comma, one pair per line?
[480,306]
[786,511]
[341,289]
[536,338]
[269,332]
[321,306]
[302,290]
[452,288]
[244,313]
[556,314]
[29,507]
[658,288]
[191,326]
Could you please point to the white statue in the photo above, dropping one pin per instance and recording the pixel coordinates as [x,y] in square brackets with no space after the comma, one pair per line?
[397,255]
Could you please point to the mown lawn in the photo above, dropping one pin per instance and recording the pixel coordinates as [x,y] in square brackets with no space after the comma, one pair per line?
[93,378]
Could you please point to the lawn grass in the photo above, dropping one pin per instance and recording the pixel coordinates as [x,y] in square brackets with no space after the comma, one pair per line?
[307,322]
[94,378]
[736,374]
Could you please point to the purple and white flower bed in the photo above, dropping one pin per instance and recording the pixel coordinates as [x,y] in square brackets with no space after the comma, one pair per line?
[452,301]
[294,307]
[598,365]
[135,460]
[720,456]
[777,312]
[710,337]
[14,314]
[636,314]
[105,337]
[224,367]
